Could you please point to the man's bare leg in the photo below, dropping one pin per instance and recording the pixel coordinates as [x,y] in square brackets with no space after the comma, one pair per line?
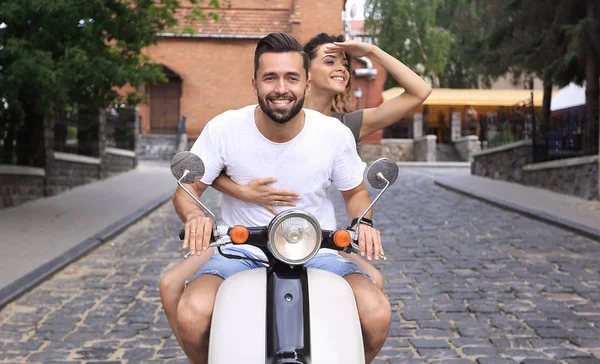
[374,312]
[194,313]
[366,267]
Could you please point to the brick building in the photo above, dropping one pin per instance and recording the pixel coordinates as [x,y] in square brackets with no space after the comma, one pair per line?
[369,77]
[210,69]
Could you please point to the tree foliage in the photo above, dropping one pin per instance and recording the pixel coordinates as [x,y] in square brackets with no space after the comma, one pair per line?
[468,43]
[409,31]
[74,52]
[557,42]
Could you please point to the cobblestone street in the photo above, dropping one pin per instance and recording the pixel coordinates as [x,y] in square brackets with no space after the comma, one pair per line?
[468,282]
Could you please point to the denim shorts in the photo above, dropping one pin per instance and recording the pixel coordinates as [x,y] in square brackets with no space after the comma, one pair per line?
[223,267]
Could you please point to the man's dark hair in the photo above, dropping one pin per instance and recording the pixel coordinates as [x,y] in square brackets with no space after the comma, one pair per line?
[280,43]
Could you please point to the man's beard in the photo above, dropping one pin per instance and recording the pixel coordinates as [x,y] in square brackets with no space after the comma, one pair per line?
[276,115]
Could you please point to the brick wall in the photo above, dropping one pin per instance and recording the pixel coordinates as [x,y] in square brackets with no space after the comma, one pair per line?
[503,163]
[66,174]
[574,176]
[259,4]
[18,188]
[398,150]
[513,162]
[116,161]
[157,147]
[217,72]
[317,16]
[63,171]
[216,77]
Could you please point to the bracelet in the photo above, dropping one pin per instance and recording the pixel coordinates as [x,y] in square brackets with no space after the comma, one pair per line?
[364,220]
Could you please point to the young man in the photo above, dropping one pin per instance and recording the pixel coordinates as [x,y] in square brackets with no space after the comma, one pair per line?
[278,138]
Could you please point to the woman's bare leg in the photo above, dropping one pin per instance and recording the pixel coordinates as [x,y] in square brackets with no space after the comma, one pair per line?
[172,284]
[366,267]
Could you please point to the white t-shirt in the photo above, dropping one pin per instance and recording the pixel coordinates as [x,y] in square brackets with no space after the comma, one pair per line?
[324,152]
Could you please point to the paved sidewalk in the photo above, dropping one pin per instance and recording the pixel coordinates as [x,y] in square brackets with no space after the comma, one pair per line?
[575,214]
[40,237]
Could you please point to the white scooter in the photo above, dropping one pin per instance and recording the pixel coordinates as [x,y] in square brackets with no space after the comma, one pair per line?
[285,313]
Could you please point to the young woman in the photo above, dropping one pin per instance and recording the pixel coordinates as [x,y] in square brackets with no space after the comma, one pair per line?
[330,95]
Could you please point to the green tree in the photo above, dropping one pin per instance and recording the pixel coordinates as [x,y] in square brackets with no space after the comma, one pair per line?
[434,38]
[409,31]
[586,44]
[524,40]
[73,52]
[558,42]
[470,23]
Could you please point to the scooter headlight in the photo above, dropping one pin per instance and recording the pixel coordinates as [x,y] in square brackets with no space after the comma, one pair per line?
[294,237]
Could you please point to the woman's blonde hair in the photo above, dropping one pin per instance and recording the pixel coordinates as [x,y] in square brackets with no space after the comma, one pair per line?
[341,102]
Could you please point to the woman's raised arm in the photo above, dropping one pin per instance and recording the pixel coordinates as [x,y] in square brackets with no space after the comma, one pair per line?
[416,90]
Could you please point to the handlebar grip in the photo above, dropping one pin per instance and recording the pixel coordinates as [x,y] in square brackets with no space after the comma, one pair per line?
[182,235]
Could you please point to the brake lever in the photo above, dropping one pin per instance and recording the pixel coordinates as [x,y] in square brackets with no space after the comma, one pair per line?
[355,249]
[223,240]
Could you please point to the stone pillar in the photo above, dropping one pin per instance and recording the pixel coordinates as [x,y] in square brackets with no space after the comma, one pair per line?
[130,116]
[92,138]
[468,145]
[182,142]
[49,164]
[99,140]
[31,142]
[417,125]
[91,135]
[100,137]
[126,126]
[424,149]
[137,127]
[455,127]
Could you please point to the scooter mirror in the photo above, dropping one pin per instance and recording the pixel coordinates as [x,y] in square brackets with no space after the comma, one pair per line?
[186,161]
[382,168]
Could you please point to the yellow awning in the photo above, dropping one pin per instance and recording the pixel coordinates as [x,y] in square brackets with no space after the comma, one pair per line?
[474,97]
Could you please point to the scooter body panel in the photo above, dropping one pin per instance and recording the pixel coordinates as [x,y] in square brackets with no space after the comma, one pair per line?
[336,337]
[238,329]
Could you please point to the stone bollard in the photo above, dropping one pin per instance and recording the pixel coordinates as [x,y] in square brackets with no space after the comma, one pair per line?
[424,149]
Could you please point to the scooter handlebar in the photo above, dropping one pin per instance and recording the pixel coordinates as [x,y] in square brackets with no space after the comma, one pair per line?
[182,234]
[327,239]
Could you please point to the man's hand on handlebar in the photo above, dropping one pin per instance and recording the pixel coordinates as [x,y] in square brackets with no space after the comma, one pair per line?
[198,232]
[369,242]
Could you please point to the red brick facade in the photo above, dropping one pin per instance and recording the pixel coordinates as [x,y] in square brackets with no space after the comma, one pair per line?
[215,62]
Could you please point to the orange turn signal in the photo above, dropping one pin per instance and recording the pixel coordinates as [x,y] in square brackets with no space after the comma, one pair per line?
[342,238]
[239,234]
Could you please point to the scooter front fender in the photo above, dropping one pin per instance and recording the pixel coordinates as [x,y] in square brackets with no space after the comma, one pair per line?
[238,329]
[336,336]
